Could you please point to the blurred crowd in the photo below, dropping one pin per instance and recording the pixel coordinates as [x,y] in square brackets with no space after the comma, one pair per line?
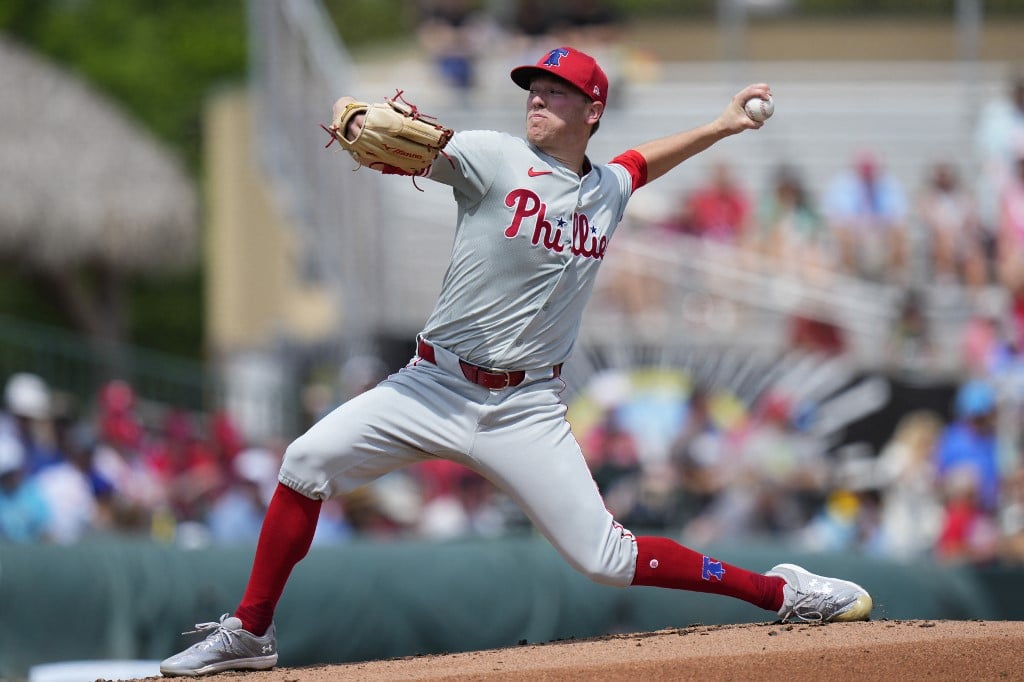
[67,474]
[961,227]
[126,467]
[945,488]
[867,223]
[948,486]
[697,463]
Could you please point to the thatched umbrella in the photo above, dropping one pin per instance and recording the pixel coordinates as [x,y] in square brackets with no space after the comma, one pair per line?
[82,186]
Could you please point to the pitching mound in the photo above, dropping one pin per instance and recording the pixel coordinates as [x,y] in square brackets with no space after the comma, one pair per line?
[910,649]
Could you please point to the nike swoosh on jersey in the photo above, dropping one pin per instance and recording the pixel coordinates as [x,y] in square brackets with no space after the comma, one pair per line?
[534,173]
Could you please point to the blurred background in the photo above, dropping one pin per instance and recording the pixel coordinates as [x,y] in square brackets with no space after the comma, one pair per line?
[806,340]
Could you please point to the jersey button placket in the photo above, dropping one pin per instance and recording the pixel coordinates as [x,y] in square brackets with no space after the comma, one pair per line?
[576,209]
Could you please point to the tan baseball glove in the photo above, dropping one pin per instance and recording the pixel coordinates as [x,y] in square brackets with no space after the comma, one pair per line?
[395,138]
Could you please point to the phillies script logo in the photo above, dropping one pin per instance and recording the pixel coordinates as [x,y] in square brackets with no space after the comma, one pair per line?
[583,241]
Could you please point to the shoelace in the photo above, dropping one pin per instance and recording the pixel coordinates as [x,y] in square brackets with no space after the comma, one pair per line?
[218,626]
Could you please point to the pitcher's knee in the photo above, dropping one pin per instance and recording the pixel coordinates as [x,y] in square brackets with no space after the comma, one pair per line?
[296,450]
[601,575]
[303,470]
[614,566]
[295,457]
[311,451]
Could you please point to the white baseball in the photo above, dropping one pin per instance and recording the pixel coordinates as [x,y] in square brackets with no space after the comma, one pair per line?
[759,109]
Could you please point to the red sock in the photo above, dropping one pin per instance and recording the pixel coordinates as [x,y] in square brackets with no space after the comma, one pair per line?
[285,538]
[663,563]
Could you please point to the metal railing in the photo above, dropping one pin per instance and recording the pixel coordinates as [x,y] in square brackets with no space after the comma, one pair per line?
[73,364]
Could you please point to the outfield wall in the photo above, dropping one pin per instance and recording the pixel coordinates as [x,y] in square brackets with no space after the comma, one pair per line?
[363,601]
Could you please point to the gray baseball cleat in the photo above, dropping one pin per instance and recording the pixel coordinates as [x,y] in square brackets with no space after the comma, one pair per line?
[817,598]
[228,647]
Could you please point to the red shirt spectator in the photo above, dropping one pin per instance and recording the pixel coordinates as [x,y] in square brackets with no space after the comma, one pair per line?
[719,211]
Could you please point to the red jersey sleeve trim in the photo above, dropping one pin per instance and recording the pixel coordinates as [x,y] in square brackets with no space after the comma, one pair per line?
[634,162]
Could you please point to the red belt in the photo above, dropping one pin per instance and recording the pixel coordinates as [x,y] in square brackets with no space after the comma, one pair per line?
[488,378]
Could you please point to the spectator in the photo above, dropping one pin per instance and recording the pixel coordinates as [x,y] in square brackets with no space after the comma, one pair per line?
[718,210]
[786,460]
[696,454]
[118,421]
[998,136]
[792,233]
[186,467]
[911,346]
[365,513]
[984,333]
[70,493]
[952,227]
[452,501]
[969,532]
[969,444]
[1011,518]
[866,212]
[773,478]
[334,526]
[29,404]
[226,440]
[24,516]
[237,514]
[452,32]
[611,452]
[843,524]
[905,473]
[471,510]
[1010,241]
[78,495]
[137,492]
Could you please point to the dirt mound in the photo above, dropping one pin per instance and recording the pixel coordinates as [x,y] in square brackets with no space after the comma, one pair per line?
[883,649]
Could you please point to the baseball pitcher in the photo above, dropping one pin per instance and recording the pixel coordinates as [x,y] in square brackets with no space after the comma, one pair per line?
[535,216]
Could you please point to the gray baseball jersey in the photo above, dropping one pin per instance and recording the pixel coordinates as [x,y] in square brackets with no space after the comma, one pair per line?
[531,235]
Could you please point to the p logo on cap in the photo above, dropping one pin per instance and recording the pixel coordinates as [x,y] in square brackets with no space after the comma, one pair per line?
[577,68]
[555,56]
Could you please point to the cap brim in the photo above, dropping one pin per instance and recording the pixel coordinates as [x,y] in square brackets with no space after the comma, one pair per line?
[524,75]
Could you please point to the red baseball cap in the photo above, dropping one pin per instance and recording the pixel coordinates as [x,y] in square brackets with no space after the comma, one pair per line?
[573,66]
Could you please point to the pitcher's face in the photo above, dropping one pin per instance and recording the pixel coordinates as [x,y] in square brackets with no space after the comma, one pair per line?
[555,108]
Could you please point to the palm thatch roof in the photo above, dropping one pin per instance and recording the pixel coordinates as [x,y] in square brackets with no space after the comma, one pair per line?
[80,182]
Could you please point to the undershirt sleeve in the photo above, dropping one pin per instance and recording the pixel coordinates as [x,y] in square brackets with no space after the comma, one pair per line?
[635,163]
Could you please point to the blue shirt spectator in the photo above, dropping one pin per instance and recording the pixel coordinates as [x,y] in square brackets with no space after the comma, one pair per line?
[24,515]
[866,210]
[969,442]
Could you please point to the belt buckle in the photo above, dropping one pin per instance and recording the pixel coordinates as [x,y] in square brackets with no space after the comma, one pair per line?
[494,372]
